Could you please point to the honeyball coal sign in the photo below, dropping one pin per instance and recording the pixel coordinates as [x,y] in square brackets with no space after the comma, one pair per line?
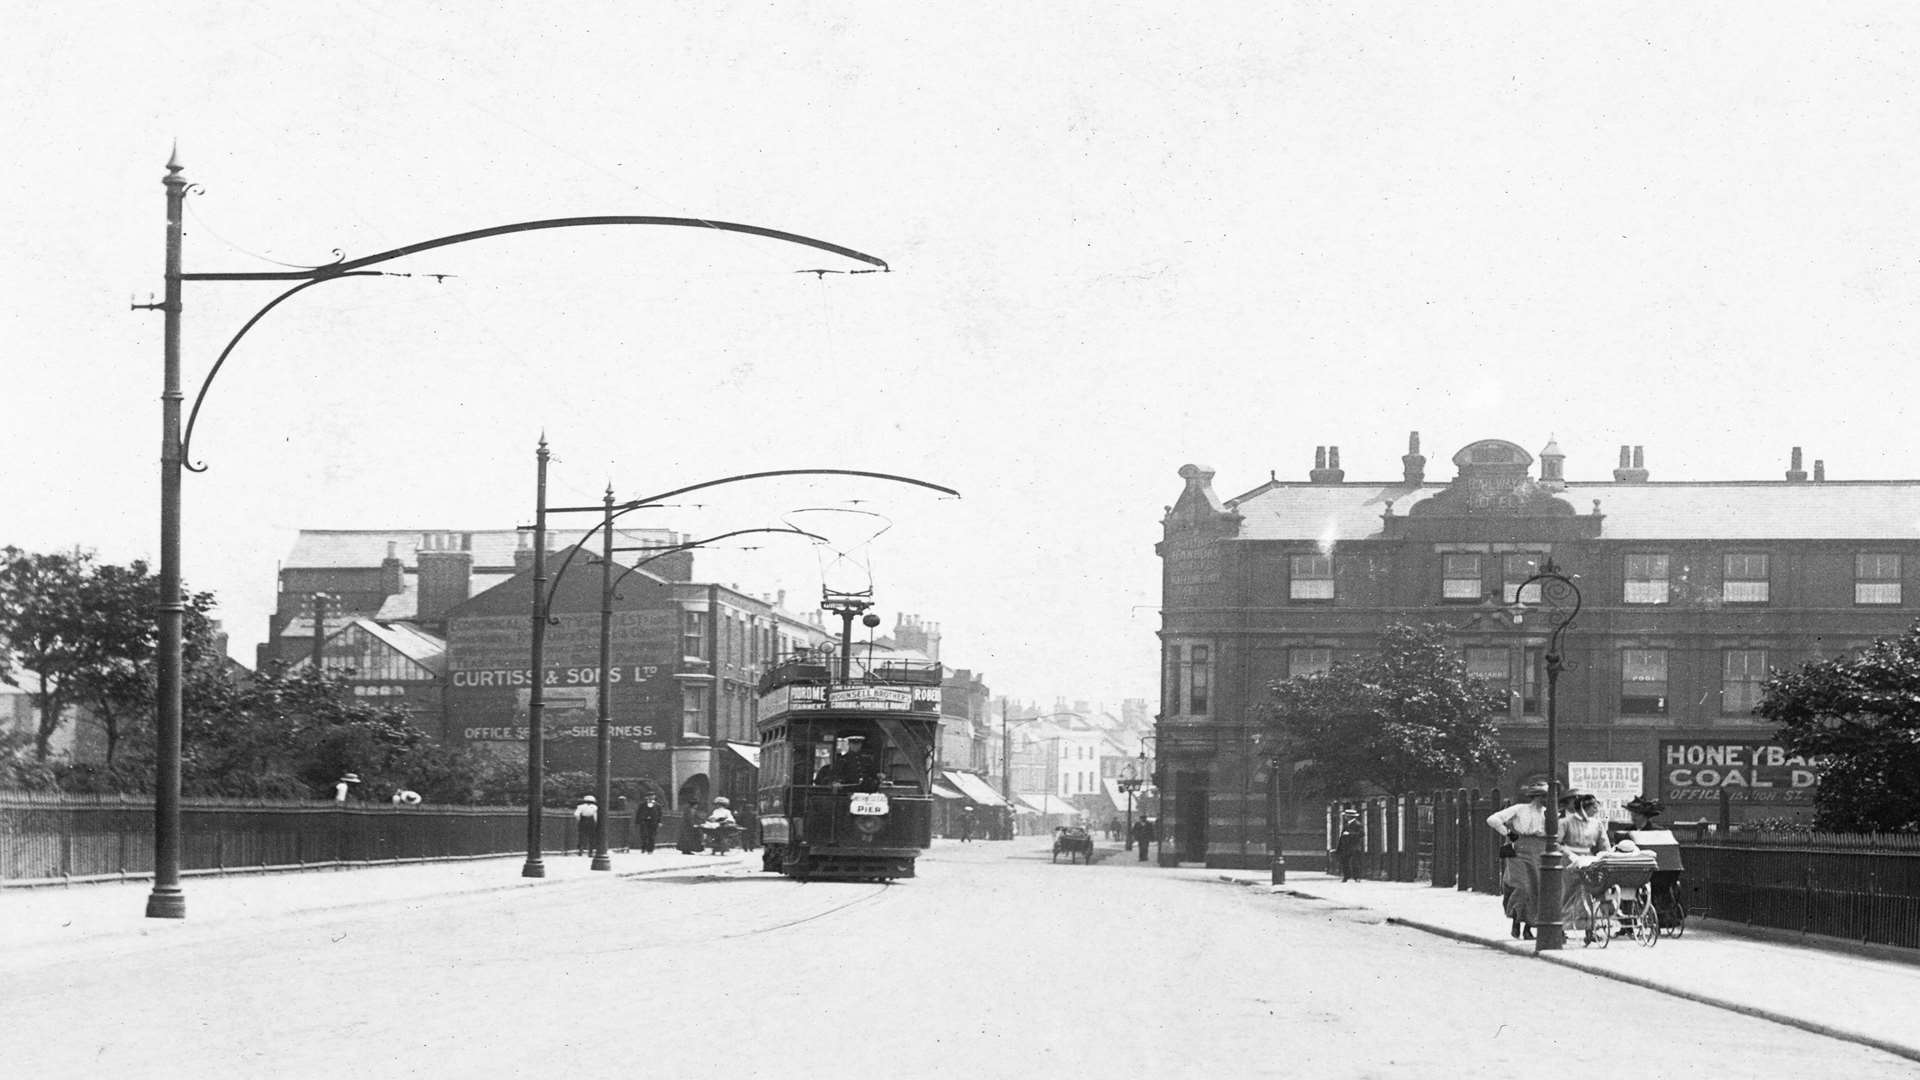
[1750,770]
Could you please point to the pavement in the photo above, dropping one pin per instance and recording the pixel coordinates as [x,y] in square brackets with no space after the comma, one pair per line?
[52,915]
[1862,999]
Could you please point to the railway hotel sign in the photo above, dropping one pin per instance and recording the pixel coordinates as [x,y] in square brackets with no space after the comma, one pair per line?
[1750,770]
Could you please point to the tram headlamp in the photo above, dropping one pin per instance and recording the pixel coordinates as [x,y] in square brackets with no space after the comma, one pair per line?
[869,825]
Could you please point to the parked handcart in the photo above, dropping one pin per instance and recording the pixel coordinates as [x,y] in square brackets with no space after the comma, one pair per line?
[1620,889]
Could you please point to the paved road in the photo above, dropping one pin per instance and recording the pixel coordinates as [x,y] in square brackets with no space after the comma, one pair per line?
[994,963]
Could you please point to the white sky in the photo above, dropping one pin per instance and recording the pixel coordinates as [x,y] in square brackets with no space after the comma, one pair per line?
[1124,237]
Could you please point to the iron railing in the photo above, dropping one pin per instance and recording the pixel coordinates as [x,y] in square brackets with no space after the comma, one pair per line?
[83,837]
[1862,888]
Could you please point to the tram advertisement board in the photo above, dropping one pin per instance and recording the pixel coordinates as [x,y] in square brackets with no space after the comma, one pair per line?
[802,698]
[1750,770]
[1614,783]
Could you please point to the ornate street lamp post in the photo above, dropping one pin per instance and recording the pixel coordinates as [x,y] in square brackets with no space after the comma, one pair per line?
[167,900]
[1560,603]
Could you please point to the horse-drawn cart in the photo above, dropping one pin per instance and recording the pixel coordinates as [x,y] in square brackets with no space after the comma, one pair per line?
[1071,841]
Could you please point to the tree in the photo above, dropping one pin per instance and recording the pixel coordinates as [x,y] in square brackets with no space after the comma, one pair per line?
[1860,716]
[89,632]
[1405,718]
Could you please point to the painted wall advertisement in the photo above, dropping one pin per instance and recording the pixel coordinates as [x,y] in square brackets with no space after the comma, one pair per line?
[1616,783]
[490,687]
[1750,770]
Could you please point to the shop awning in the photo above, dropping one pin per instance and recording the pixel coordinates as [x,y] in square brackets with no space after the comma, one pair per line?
[1048,804]
[748,752]
[973,788]
[943,790]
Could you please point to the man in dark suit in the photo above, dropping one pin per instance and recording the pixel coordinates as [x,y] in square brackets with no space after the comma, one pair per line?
[646,822]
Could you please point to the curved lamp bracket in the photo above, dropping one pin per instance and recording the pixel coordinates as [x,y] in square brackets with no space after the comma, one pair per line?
[343,267]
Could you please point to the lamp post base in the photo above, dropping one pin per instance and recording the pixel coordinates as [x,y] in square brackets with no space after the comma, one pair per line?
[601,861]
[534,868]
[1550,933]
[166,903]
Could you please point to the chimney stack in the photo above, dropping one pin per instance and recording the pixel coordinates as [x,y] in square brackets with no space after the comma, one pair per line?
[393,578]
[1326,466]
[1633,466]
[1796,474]
[1819,470]
[1413,464]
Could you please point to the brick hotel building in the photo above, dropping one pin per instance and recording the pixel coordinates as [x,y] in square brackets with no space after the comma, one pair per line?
[1691,591]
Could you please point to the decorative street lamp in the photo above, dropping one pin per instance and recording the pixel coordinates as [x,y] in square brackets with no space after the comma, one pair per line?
[167,900]
[1560,603]
[1129,783]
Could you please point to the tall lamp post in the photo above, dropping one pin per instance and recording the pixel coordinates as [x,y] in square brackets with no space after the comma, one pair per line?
[1560,603]
[543,594]
[1148,767]
[168,900]
[1129,784]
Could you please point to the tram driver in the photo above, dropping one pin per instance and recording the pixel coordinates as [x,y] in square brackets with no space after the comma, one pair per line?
[854,765]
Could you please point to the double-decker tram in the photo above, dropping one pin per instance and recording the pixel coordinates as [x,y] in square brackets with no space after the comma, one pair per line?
[846,759]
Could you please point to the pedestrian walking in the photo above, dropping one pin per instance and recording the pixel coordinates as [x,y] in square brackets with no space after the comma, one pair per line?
[1143,836]
[586,821]
[1524,826]
[646,822]
[749,827]
[691,819]
[966,824]
[1348,846]
[344,785]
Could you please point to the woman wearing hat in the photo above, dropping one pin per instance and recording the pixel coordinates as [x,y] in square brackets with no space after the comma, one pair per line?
[1524,825]
[1583,834]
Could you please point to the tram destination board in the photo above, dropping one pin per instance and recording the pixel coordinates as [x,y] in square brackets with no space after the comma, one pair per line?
[864,698]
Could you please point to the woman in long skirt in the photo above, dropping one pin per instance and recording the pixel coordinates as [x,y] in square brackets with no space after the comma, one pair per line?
[1524,825]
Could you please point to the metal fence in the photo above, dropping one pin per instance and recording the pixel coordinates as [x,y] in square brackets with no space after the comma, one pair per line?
[1863,888]
[80,837]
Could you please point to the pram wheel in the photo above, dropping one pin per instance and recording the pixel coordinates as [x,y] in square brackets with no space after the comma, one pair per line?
[1606,916]
[1646,923]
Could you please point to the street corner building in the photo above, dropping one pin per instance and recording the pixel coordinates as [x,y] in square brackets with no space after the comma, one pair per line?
[1692,591]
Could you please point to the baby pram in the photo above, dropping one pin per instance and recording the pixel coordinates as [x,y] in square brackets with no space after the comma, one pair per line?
[1621,897]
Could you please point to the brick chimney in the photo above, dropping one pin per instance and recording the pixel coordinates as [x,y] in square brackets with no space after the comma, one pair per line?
[393,575]
[446,579]
[1819,471]
[1326,466]
[1413,464]
[1796,474]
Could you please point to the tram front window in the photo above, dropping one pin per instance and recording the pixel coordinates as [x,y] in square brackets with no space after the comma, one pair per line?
[852,764]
